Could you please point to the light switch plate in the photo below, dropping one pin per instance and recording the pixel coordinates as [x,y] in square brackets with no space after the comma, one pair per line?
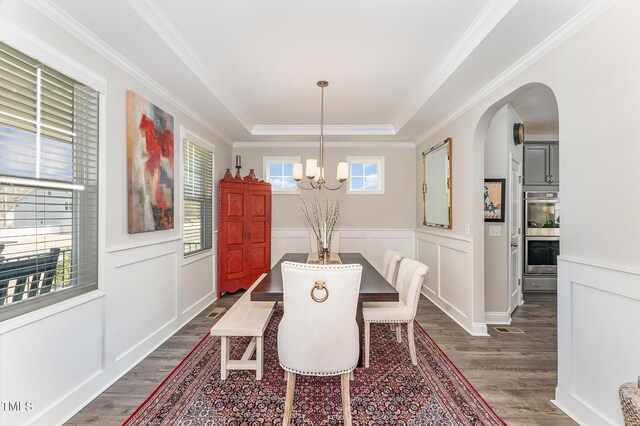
[495,231]
[467,229]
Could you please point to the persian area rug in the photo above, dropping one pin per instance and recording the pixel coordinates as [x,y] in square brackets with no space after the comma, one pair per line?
[391,391]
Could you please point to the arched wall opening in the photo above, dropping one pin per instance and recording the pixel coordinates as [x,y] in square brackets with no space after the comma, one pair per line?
[536,105]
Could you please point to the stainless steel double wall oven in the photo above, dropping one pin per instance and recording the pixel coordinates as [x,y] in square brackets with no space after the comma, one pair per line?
[541,240]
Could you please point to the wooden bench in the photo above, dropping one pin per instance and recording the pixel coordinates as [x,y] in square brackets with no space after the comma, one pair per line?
[244,318]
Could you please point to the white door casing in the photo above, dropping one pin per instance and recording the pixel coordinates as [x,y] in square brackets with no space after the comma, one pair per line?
[515,235]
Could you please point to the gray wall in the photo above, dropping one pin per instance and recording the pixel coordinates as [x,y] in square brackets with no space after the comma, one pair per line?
[498,145]
[392,210]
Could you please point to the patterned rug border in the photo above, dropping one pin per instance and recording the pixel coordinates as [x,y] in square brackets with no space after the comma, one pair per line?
[169,376]
[460,373]
[204,338]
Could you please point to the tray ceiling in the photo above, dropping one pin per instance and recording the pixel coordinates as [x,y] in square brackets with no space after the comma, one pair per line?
[249,68]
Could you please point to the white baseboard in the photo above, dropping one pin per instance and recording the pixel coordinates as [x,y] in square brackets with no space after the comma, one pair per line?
[498,318]
[476,329]
[581,413]
[71,405]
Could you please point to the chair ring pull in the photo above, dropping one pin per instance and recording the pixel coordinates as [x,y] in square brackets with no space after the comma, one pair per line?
[319,285]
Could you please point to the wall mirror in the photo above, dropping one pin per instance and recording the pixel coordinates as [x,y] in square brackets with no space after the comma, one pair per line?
[436,185]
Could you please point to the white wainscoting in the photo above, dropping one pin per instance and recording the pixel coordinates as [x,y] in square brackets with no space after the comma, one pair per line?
[598,338]
[372,243]
[85,344]
[449,283]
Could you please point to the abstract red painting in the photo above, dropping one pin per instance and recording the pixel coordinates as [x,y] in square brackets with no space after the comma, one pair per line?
[150,166]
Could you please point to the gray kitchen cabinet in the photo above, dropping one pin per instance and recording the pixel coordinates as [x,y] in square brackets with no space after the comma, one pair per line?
[554,168]
[541,165]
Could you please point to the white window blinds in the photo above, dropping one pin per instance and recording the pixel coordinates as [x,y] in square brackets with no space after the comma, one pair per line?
[197,228]
[48,184]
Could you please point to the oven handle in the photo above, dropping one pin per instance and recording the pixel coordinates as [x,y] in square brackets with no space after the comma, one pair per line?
[555,238]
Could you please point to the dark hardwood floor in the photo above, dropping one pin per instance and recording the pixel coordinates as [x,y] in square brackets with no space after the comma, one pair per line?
[515,373]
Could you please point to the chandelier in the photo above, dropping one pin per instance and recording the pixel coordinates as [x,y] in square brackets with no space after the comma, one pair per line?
[315,168]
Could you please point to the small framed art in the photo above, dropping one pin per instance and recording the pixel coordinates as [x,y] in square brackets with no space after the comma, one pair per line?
[494,200]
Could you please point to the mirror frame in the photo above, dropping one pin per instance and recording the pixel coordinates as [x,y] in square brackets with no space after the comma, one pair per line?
[449,185]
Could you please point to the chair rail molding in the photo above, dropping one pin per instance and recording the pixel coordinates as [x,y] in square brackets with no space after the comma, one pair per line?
[372,243]
[598,338]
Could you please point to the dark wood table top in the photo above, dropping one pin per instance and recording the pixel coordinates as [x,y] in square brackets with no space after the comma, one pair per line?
[373,286]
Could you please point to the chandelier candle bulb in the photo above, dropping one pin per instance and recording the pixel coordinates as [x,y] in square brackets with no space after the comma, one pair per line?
[343,171]
[319,174]
[297,171]
[312,167]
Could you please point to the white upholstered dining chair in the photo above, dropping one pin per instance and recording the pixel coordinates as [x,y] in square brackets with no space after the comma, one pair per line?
[318,334]
[390,262]
[335,242]
[410,278]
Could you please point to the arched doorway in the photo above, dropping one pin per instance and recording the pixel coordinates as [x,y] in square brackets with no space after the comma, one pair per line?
[499,261]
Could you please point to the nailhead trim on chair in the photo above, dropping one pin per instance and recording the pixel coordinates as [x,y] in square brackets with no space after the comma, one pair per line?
[306,373]
[338,267]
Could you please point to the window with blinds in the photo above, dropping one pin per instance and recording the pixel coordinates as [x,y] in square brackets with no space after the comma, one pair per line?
[197,227]
[48,185]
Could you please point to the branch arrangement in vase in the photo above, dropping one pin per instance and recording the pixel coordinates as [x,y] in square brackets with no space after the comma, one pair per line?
[322,222]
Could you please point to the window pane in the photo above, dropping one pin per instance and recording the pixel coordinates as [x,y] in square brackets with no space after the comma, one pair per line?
[275,170]
[279,173]
[198,209]
[289,184]
[357,183]
[17,152]
[192,226]
[366,175]
[371,169]
[371,182]
[49,236]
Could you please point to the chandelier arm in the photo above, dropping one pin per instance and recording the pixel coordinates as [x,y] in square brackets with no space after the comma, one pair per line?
[333,189]
[307,189]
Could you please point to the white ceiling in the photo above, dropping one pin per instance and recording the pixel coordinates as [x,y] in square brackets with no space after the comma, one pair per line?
[396,69]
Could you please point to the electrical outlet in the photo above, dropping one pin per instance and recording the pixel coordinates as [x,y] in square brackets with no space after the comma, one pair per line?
[467,229]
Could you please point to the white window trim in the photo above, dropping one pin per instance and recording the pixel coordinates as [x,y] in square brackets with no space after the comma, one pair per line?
[278,159]
[381,177]
[33,46]
[185,133]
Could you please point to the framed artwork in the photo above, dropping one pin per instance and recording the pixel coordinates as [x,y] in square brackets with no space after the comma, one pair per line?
[494,200]
[149,166]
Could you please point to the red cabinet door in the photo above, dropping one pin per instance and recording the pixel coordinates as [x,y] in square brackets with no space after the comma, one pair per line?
[259,210]
[244,233]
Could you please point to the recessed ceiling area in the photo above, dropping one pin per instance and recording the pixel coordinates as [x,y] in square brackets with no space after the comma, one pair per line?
[395,69]
[538,109]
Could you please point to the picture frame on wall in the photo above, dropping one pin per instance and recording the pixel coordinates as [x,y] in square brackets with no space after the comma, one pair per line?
[150,167]
[494,200]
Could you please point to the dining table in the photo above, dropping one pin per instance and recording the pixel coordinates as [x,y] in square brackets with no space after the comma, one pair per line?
[373,286]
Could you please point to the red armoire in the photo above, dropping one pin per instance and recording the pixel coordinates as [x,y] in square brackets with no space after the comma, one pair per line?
[244,232]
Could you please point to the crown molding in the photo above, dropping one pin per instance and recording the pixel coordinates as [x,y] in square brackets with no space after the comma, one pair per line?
[70,24]
[330,129]
[26,42]
[164,28]
[586,15]
[326,144]
[485,22]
